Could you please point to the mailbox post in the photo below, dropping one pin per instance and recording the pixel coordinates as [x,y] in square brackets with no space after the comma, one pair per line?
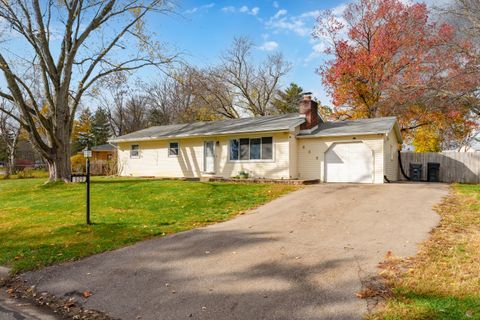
[87,153]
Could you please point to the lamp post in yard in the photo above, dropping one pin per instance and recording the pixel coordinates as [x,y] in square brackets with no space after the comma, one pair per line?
[87,153]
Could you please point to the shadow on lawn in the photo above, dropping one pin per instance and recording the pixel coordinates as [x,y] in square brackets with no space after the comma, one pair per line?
[125,180]
[66,243]
[208,274]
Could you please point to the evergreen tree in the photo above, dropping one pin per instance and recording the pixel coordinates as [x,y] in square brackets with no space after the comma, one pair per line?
[100,127]
[288,100]
[82,131]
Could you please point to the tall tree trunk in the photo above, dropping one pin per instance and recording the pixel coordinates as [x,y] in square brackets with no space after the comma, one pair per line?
[11,147]
[11,161]
[59,160]
[59,166]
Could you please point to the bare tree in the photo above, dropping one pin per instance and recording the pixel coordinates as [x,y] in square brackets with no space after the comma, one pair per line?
[161,108]
[188,95]
[112,93]
[136,113]
[46,81]
[255,85]
[9,133]
[465,15]
[213,91]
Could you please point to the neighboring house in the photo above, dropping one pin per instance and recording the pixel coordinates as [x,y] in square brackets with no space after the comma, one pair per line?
[291,146]
[104,152]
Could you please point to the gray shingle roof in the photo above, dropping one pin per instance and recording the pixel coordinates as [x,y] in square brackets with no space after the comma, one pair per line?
[352,127]
[262,124]
[104,147]
[211,128]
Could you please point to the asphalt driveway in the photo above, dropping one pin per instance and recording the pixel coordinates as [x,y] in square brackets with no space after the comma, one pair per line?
[302,256]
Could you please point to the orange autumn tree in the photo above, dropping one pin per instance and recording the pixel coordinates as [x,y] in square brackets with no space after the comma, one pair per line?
[390,59]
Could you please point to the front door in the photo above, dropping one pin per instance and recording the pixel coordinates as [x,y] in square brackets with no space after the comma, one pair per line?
[209,156]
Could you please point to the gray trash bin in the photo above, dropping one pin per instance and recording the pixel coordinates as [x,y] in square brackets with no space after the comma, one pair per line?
[433,172]
[415,171]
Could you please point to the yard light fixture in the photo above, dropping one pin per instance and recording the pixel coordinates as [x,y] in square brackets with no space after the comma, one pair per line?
[87,153]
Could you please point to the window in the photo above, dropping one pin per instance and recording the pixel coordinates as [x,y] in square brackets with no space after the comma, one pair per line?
[251,149]
[134,151]
[244,149]
[173,149]
[255,149]
[234,147]
[267,148]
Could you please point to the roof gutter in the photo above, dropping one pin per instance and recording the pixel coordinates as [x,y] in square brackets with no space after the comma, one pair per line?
[195,136]
[341,135]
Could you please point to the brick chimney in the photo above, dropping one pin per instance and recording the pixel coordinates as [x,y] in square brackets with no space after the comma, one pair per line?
[309,108]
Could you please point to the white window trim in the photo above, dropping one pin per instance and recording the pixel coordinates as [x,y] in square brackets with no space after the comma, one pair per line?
[178,149]
[252,160]
[138,152]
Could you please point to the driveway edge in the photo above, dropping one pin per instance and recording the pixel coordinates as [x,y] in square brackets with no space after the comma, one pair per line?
[67,308]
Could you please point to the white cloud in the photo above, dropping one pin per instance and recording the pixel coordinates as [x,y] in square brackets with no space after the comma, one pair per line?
[269,46]
[296,24]
[243,9]
[317,50]
[310,14]
[280,13]
[275,4]
[192,10]
[228,9]
[204,7]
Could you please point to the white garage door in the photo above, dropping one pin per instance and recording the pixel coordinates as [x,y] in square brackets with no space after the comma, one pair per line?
[349,162]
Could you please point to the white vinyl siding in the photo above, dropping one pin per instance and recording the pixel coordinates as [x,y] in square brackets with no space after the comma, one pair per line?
[190,160]
[292,154]
[292,157]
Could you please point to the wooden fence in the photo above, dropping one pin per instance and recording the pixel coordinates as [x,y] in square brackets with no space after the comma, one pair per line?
[454,166]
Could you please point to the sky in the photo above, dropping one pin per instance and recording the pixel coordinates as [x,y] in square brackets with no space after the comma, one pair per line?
[202,30]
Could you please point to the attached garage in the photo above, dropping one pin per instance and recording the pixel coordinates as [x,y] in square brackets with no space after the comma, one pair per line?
[358,151]
[349,162]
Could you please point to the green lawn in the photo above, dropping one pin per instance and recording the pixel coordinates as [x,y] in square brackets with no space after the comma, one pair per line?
[45,224]
[443,280]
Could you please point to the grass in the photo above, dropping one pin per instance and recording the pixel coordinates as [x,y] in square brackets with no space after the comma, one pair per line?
[443,280]
[44,224]
[26,174]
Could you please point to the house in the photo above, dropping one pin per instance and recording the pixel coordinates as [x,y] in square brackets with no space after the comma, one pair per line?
[290,146]
[104,152]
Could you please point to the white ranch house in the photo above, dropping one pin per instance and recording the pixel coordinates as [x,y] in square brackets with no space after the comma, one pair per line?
[292,146]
